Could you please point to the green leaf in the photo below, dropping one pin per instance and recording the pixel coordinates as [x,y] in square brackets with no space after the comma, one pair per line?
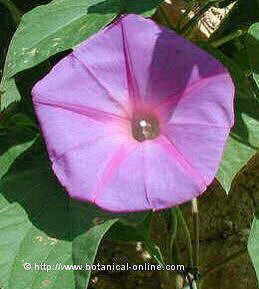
[40,224]
[141,232]
[11,154]
[13,121]
[126,233]
[9,92]
[16,136]
[144,7]
[52,28]
[253,244]
[58,26]
[243,142]
[129,231]
[252,45]
[85,249]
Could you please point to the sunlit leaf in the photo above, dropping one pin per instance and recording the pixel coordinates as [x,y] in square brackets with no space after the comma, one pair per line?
[253,244]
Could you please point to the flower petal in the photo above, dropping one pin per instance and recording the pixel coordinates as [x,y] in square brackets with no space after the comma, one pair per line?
[207,102]
[86,169]
[201,145]
[162,61]
[169,179]
[69,83]
[103,56]
[65,130]
[125,190]
[85,106]
[200,123]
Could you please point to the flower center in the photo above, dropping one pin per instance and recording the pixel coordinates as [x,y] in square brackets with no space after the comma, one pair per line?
[145,127]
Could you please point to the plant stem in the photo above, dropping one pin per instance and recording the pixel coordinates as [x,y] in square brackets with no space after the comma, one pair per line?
[188,235]
[195,215]
[16,14]
[227,38]
[179,281]
[174,225]
[226,261]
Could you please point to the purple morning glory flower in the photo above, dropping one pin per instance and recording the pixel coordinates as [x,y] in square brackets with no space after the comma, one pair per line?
[136,117]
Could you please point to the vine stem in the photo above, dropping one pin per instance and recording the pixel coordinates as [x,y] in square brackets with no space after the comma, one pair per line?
[195,215]
[173,248]
[188,235]
[174,226]
[15,12]
[227,38]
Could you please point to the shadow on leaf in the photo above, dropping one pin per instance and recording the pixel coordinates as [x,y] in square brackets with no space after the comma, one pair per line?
[124,6]
[31,183]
